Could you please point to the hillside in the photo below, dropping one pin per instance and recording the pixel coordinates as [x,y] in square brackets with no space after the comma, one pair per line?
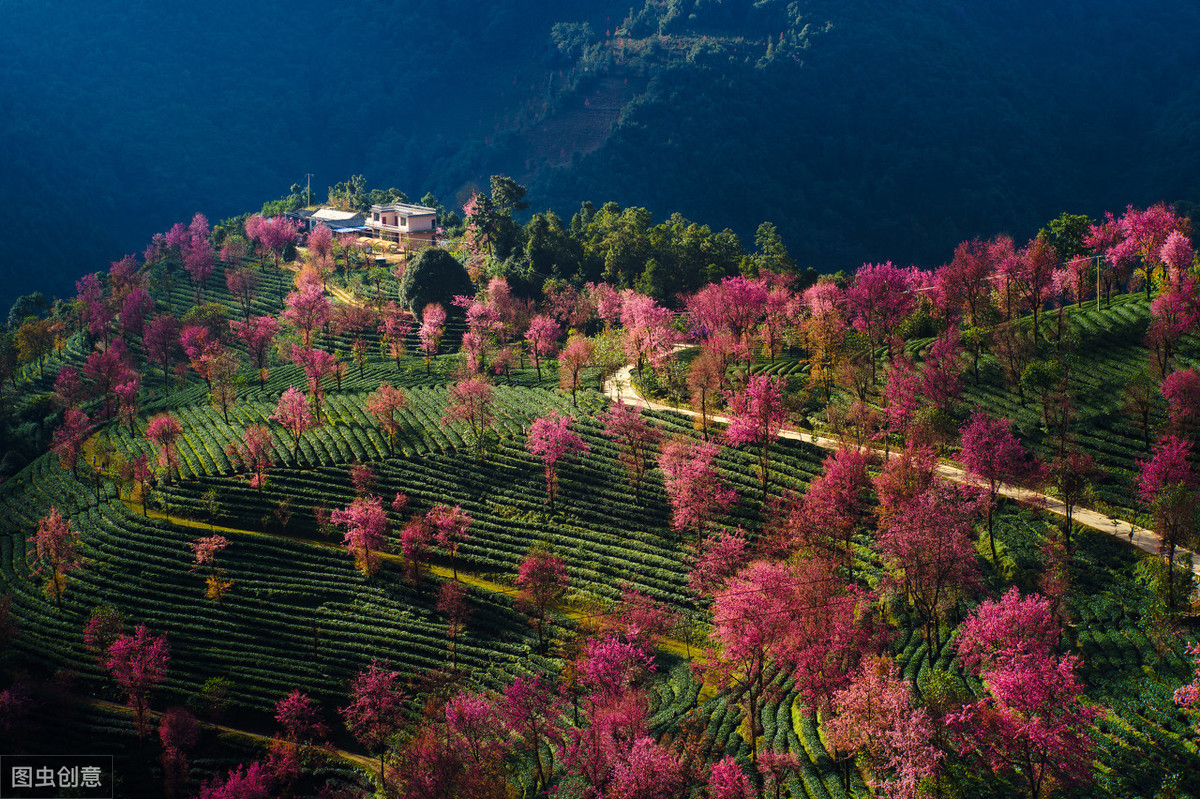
[381,516]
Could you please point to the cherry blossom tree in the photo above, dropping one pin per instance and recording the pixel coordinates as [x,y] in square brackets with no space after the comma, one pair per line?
[178,732]
[719,557]
[1032,720]
[138,663]
[164,431]
[542,338]
[1188,696]
[452,603]
[384,405]
[294,413]
[636,441]
[254,454]
[930,556]
[756,417]
[992,454]
[415,539]
[273,235]
[299,716]
[375,712]
[706,378]
[429,334]
[470,403]
[257,334]
[161,341]
[551,439]
[206,550]
[876,715]
[451,529]
[366,526]
[56,551]
[395,324]
[318,365]
[1168,484]
[693,485]
[1071,475]
[878,299]
[70,437]
[834,506]
[307,310]
[649,771]
[726,780]
[529,710]
[576,356]
[542,581]
[243,781]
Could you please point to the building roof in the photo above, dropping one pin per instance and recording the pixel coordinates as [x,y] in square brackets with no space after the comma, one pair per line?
[404,209]
[334,215]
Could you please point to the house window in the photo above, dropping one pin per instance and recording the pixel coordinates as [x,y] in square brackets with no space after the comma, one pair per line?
[404,222]
[375,216]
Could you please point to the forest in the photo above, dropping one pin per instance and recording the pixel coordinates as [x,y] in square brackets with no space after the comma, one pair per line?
[607,508]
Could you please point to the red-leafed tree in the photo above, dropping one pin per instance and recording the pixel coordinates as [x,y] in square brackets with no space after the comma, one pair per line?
[542,581]
[293,412]
[138,663]
[366,526]
[56,551]
[693,485]
[993,455]
[1032,720]
[376,710]
[470,403]
[636,441]
[756,416]
[551,438]
[384,405]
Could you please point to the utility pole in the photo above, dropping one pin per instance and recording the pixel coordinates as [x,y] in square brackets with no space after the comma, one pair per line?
[308,189]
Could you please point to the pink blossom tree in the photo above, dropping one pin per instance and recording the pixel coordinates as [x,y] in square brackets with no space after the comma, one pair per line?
[726,780]
[550,438]
[375,712]
[70,437]
[1188,696]
[834,506]
[395,324]
[307,310]
[257,334]
[164,431]
[636,441]
[541,581]
[299,717]
[878,299]
[366,526]
[415,539]
[161,341]
[452,603]
[243,781]
[384,405]
[876,716]
[56,551]
[470,403]
[1032,721]
[756,417]
[992,454]
[529,711]
[576,355]
[1168,484]
[205,552]
[294,413]
[451,529]
[693,485]
[542,339]
[429,334]
[254,454]
[719,557]
[179,732]
[138,663]
[930,556]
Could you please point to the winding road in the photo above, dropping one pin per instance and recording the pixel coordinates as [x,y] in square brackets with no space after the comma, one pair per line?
[620,387]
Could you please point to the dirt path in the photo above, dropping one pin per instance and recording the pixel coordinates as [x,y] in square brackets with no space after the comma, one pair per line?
[620,387]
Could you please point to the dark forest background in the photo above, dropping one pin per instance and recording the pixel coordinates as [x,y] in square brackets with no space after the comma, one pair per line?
[864,130]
